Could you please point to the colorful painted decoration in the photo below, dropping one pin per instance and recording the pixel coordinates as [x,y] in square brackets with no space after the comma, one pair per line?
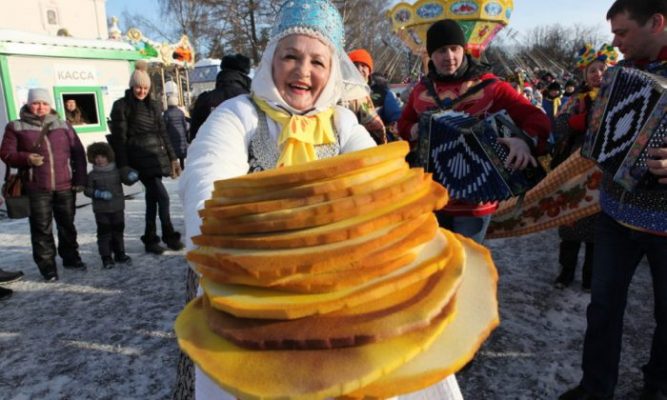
[480,20]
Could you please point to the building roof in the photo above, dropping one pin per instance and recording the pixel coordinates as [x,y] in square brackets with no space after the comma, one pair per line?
[16,42]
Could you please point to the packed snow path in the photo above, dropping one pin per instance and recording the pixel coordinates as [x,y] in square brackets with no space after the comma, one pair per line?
[107,334]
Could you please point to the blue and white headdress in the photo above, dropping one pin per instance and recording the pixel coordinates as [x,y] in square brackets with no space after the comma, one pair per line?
[313,17]
[319,19]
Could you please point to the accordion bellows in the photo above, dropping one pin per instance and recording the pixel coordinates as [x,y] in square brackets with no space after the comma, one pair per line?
[464,155]
[335,284]
[628,118]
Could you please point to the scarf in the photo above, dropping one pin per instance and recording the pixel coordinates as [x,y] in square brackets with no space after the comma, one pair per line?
[300,133]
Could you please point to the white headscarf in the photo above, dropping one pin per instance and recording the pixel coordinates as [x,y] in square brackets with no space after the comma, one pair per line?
[343,78]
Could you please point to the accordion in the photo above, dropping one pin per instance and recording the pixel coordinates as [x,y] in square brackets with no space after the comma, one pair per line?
[464,155]
[626,120]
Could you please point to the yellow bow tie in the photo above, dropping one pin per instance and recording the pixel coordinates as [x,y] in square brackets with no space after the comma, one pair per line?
[300,134]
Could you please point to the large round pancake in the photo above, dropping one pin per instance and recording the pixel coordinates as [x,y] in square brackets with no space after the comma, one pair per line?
[413,307]
[407,208]
[320,169]
[267,266]
[216,208]
[316,283]
[321,214]
[410,182]
[294,375]
[476,317]
[253,302]
[233,195]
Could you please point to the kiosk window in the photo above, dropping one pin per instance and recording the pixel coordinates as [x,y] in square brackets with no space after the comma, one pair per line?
[52,17]
[81,108]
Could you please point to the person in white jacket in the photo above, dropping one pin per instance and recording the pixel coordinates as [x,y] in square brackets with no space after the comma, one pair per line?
[290,117]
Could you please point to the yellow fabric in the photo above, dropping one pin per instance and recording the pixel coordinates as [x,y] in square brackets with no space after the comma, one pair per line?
[300,134]
[557,101]
[593,93]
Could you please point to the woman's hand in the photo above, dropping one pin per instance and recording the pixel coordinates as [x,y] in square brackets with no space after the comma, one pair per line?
[519,154]
[35,159]
[658,165]
[175,169]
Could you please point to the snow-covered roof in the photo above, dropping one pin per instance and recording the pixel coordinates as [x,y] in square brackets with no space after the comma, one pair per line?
[12,36]
[207,62]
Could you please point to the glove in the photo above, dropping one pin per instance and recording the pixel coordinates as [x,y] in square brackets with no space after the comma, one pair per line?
[128,176]
[102,194]
[132,176]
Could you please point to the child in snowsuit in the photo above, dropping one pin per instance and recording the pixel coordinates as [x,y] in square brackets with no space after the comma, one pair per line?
[105,188]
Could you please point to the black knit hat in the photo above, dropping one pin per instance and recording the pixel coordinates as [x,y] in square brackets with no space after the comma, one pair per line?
[555,85]
[445,32]
[237,62]
[99,148]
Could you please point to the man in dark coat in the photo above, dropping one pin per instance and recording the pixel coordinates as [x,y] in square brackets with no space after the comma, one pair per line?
[231,81]
[177,128]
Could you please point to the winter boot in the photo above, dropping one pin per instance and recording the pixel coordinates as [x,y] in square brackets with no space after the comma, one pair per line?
[10,276]
[171,237]
[123,258]
[5,293]
[565,277]
[107,262]
[75,263]
[152,241]
[567,257]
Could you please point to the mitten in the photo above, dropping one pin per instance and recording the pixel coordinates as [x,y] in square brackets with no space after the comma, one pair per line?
[128,176]
[102,194]
[132,176]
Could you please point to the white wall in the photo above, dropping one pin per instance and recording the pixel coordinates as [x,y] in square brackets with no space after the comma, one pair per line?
[84,19]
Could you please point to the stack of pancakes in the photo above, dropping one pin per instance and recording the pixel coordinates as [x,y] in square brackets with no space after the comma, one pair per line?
[332,279]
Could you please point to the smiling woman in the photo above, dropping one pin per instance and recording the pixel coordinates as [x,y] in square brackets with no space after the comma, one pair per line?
[290,117]
[301,69]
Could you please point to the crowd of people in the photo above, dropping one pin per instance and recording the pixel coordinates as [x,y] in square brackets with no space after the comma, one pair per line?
[247,125]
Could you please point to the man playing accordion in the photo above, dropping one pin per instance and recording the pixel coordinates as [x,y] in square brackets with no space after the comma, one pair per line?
[633,223]
[457,81]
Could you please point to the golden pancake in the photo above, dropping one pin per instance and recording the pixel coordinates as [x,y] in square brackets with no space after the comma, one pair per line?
[215,208]
[320,169]
[476,317]
[232,195]
[270,265]
[252,302]
[294,375]
[429,196]
[411,182]
[411,308]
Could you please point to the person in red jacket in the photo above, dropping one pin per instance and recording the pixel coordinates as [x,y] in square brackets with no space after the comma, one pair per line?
[452,73]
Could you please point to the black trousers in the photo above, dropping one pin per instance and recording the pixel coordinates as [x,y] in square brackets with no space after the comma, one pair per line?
[110,230]
[157,199]
[44,207]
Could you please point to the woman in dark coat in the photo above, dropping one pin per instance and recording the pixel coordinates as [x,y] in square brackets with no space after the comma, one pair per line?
[140,141]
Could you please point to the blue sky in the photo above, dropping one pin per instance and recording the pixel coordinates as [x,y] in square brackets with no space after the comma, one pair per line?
[527,13]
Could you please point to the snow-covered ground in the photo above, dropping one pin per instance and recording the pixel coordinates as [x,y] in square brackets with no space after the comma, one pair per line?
[107,334]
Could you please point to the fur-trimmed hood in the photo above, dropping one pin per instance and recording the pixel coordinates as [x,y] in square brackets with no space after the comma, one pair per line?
[100,148]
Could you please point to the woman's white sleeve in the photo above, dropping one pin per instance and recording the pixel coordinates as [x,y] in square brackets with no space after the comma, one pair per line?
[353,136]
[219,151]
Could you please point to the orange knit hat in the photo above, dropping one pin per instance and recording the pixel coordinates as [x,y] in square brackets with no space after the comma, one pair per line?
[361,56]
